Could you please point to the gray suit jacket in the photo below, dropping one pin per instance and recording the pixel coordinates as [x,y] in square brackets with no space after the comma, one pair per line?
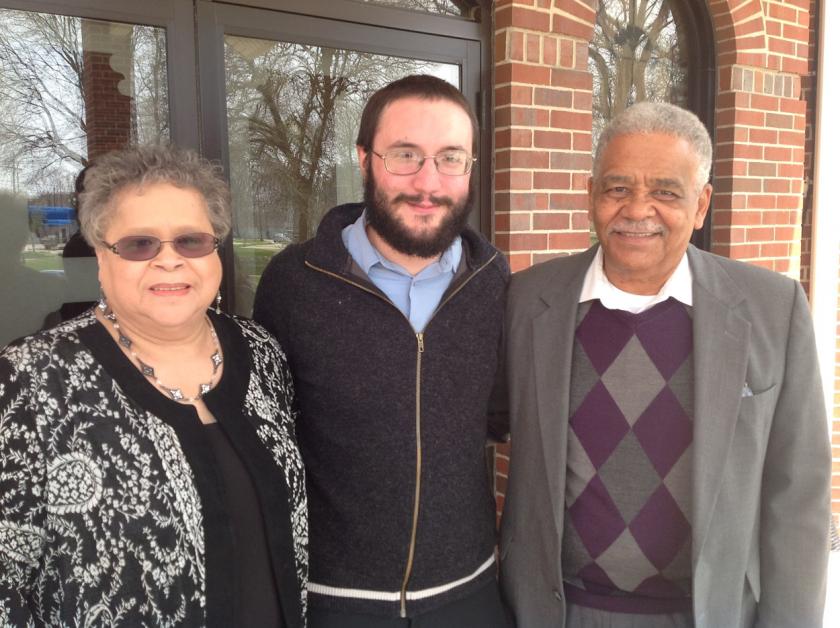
[761,465]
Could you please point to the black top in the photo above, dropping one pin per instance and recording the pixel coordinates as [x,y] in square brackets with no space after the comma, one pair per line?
[259,605]
[133,527]
[225,403]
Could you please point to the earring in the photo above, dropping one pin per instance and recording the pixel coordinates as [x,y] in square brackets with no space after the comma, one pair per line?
[103,304]
[218,302]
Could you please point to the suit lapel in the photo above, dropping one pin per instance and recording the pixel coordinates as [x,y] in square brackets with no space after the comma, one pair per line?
[553,340]
[721,345]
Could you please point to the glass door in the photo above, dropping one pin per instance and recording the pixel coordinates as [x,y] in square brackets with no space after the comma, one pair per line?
[284,113]
[281,91]
[72,86]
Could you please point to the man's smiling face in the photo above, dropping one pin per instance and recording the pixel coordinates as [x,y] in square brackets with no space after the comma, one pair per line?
[644,206]
[422,213]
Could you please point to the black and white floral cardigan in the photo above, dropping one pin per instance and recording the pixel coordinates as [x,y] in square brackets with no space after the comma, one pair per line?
[104,520]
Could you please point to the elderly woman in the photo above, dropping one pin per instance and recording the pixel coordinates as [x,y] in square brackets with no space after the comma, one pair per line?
[148,468]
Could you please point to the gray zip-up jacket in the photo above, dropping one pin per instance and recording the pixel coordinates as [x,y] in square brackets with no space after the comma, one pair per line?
[392,424]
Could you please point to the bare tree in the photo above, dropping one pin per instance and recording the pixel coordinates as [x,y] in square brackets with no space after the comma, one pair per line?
[287,99]
[43,116]
[635,55]
[151,89]
[42,92]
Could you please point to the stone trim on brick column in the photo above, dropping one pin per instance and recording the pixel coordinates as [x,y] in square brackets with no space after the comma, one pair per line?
[543,128]
[760,131]
[760,139]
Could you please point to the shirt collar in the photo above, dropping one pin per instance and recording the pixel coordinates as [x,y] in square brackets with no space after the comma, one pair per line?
[367,256]
[357,242]
[597,286]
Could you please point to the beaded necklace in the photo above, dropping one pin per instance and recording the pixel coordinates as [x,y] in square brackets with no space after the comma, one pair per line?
[148,370]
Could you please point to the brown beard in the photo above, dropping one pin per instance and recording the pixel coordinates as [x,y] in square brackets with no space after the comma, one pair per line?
[384,221]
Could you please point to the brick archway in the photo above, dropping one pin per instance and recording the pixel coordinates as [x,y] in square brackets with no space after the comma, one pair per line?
[740,31]
[759,132]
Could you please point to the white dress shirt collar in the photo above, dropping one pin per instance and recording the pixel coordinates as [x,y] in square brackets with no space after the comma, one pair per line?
[597,286]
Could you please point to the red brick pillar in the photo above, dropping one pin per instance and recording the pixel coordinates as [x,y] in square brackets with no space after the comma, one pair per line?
[107,88]
[760,131]
[543,127]
[809,89]
[543,136]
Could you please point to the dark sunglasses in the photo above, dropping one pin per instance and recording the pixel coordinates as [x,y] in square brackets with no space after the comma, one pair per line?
[140,248]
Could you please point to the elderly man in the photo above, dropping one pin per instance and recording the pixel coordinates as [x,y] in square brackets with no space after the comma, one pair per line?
[670,460]
[392,319]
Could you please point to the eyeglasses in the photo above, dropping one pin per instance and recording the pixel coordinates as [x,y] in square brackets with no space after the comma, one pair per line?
[403,161]
[140,248]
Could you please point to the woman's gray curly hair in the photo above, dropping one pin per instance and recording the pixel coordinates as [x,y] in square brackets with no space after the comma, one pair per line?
[138,166]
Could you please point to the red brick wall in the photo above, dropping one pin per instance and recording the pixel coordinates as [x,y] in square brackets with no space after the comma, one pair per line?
[543,128]
[760,123]
[809,89]
[108,111]
[765,61]
[543,136]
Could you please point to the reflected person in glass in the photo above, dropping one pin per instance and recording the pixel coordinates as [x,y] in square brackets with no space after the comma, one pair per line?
[148,468]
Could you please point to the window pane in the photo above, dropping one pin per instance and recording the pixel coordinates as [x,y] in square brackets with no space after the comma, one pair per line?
[70,89]
[293,114]
[461,8]
[636,54]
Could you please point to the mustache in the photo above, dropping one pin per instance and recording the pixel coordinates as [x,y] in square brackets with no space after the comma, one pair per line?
[643,226]
[444,201]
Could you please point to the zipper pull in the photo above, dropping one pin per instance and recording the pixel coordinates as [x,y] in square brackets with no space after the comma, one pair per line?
[420,346]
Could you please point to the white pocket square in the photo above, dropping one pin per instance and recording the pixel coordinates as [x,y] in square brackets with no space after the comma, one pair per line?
[746,391]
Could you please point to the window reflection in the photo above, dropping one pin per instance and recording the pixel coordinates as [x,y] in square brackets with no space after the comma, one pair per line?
[460,8]
[636,54]
[70,89]
[293,113]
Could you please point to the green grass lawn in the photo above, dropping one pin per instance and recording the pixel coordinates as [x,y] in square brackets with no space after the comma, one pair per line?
[253,255]
[42,260]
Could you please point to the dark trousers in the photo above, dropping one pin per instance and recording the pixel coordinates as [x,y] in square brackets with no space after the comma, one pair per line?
[482,609]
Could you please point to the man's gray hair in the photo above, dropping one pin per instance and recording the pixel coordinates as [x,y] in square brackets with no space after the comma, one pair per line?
[665,118]
[138,166]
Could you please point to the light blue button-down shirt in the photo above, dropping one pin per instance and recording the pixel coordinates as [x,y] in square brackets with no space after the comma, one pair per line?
[416,296]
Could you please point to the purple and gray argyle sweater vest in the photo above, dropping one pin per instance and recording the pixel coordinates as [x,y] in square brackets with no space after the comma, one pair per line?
[627,532]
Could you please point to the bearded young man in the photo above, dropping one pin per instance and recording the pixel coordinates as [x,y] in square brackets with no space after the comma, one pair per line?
[391,318]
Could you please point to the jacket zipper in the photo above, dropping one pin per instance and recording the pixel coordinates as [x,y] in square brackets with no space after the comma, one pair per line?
[417,469]
[417,422]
